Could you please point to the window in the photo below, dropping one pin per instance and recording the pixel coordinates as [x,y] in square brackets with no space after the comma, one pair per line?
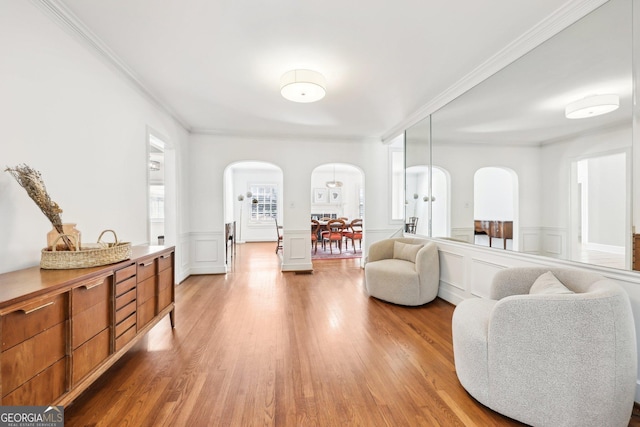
[264,202]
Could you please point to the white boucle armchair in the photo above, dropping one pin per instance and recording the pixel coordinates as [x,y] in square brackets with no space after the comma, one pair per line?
[403,271]
[549,359]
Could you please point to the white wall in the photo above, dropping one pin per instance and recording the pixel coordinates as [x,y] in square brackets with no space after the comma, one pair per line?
[607,199]
[348,206]
[84,127]
[209,156]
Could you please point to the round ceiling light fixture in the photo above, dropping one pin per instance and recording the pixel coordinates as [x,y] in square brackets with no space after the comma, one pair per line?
[302,86]
[592,106]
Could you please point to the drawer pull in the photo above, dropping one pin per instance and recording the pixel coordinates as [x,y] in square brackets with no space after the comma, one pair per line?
[37,308]
[165,256]
[93,285]
[146,264]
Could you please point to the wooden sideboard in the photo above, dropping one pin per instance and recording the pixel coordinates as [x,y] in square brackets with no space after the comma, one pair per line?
[62,329]
[494,229]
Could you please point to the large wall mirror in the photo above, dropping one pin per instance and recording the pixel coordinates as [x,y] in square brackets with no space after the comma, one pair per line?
[503,166]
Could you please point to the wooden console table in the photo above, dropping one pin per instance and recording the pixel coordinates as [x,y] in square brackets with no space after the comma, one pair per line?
[494,229]
[62,329]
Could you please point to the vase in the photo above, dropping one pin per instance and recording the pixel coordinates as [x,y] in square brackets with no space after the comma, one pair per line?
[69,229]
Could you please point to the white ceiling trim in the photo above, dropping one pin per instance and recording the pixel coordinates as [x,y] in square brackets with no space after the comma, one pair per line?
[568,14]
[282,136]
[59,13]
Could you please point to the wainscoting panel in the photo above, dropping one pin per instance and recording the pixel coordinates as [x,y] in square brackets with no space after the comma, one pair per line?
[296,254]
[299,247]
[554,242]
[530,241]
[452,277]
[481,276]
[183,258]
[206,250]
[463,234]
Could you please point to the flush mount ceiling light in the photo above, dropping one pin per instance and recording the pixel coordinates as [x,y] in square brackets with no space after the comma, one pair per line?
[302,86]
[592,106]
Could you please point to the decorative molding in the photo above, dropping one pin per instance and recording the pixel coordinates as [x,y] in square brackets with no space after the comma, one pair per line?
[270,136]
[566,15]
[62,15]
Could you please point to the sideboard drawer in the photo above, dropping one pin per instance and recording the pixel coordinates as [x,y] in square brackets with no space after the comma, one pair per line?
[125,298]
[22,362]
[125,311]
[124,287]
[127,336]
[164,261]
[90,355]
[123,326]
[87,324]
[90,293]
[146,269]
[125,273]
[32,319]
[43,389]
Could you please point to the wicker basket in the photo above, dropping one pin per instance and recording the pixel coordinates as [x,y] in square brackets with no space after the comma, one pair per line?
[106,253]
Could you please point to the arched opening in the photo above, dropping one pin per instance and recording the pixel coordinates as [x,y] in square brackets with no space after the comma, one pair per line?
[337,191]
[495,207]
[253,204]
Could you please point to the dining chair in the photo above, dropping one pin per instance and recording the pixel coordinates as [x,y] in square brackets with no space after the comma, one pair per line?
[315,228]
[354,233]
[279,231]
[412,225]
[335,228]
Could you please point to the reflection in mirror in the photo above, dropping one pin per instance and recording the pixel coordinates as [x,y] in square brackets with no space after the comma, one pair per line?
[417,177]
[571,176]
[396,160]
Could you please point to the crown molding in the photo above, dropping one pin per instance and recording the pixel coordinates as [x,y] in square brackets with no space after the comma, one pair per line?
[566,15]
[282,136]
[60,13]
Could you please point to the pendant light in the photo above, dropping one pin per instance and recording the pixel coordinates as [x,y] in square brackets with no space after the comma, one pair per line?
[334,183]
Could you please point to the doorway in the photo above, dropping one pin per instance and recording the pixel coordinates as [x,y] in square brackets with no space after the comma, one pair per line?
[495,207]
[161,190]
[598,210]
[337,191]
[253,204]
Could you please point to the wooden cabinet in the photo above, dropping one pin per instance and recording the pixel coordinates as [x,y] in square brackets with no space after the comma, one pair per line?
[61,329]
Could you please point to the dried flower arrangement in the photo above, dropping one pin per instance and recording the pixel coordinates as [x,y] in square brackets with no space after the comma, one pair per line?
[31,180]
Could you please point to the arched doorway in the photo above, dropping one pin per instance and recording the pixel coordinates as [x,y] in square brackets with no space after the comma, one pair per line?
[337,191]
[253,203]
[495,207]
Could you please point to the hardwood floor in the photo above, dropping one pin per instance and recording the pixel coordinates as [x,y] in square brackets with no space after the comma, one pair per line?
[262,347]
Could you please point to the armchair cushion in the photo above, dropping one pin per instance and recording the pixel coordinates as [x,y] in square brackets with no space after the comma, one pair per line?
[547,283]
[406,251]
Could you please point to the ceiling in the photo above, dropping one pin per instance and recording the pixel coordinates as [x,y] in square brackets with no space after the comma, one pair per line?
[216,64]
